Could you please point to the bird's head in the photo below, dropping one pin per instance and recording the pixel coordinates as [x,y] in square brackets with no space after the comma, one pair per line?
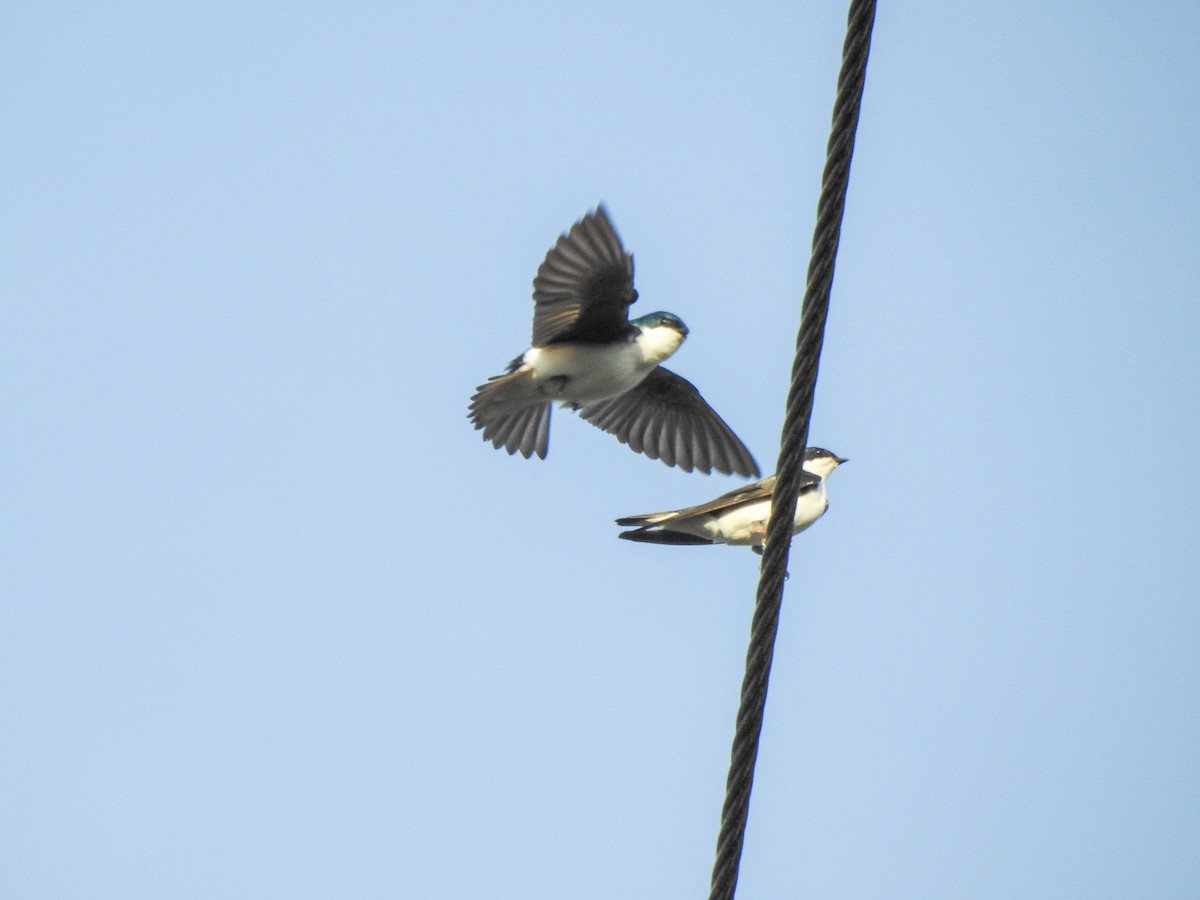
[660,320]
[820,461]
[660,335]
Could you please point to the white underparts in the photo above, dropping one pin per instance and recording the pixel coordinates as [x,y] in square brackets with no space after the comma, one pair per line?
[587,373]
[658,343]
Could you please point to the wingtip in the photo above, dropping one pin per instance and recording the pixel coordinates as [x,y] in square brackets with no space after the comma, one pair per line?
[743,462]
[742,469]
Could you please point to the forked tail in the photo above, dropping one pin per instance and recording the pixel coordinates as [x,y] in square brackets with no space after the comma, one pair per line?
[513,414]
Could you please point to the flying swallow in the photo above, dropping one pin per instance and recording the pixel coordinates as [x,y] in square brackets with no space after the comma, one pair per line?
[740,516]
[587,355]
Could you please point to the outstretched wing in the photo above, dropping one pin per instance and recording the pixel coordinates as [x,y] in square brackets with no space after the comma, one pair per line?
[584,287]
[665,418]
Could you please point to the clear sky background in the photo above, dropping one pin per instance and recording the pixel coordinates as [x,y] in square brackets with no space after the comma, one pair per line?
[277,623]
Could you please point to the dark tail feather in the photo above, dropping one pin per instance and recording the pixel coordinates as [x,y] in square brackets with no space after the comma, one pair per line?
[526,431]
[512,415]
[662,536]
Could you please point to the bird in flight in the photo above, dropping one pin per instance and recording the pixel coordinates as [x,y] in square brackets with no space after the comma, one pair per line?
[740,516]
[588,355]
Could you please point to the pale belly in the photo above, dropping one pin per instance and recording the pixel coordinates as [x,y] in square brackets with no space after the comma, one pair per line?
[743,525]
[748,524]
[580,373]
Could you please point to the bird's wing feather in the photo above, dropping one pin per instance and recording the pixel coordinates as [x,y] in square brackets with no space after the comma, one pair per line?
[584,287]
[747,493]
[665,418]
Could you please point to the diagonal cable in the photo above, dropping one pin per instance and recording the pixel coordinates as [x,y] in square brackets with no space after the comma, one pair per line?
[791,455]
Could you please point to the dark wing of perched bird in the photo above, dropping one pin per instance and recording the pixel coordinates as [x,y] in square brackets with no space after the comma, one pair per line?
[747,493]
[665,418]
[584,287]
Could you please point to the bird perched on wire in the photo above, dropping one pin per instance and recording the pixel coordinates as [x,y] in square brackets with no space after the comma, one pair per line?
[740,516]
[589,356]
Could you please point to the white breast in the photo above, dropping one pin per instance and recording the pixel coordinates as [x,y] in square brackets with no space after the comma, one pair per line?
[809,508]
[658,343]
[584,373]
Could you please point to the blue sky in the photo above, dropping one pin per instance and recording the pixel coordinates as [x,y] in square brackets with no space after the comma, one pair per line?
[277,623]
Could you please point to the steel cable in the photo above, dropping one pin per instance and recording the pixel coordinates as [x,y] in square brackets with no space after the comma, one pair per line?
[811,335]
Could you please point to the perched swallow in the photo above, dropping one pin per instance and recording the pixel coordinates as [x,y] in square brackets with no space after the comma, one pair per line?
[587,355]
[739,517]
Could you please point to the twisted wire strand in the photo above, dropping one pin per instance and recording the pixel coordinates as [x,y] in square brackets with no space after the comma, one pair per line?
[765,622]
